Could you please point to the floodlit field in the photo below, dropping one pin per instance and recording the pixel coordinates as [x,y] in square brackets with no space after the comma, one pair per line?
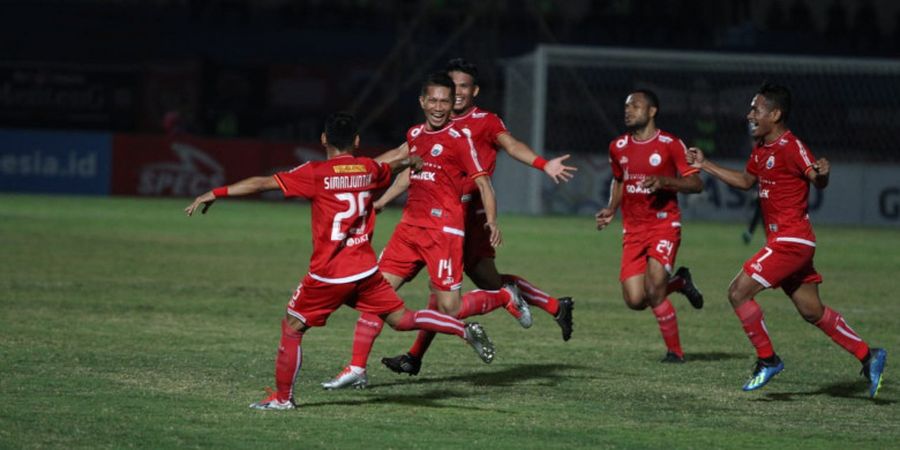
[124,323]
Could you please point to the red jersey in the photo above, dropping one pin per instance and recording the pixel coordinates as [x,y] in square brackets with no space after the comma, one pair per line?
[341,193]
[483,128]
[781,169]
[434,193]
[632,161]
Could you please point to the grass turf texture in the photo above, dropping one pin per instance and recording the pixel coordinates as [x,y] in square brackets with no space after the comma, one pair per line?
[126,324]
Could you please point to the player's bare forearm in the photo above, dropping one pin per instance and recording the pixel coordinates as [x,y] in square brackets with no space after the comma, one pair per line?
[736,179]
[517,149]
[246,186]
[554,168]
[394,154]
[820,173]
[489,200]
[413,162]
[606,215]
[690,184]
[399,186]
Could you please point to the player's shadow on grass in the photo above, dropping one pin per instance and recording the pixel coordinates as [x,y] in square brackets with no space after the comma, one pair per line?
[712,356]
[549,373]
[428,399]
[849,389]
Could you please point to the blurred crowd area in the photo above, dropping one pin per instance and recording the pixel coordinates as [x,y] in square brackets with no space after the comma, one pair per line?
[272,69]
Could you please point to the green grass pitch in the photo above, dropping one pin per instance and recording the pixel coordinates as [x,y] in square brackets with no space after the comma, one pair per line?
[124,323]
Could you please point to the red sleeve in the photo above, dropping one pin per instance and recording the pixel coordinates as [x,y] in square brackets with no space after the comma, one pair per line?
[751,164]
[298,182]
[469,158]
[381,174]
[678,152]
[802,158]
[617,171]
[495,127]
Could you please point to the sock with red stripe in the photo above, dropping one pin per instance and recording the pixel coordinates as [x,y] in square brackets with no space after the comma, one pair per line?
[834,325]
[368,327]
[533,295]
[288,361]
[752,320]
[668,326]
[478,302]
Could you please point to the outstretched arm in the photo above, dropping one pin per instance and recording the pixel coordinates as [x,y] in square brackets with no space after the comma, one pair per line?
[400,185]
[490,208]
[605,216]
[554,168]
[737,179]
[690,184]
[246,186]
[394,154]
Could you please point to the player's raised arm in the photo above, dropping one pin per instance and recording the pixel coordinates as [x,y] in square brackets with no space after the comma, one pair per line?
[554,168]
[737,179]
[246,186]
[398,153]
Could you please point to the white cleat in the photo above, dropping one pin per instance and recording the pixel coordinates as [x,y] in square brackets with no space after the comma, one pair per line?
[273,404]
[347,379]
[518,307]
[479,340]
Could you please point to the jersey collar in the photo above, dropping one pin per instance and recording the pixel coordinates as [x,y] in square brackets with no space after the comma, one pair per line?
[655,135]
[779,138]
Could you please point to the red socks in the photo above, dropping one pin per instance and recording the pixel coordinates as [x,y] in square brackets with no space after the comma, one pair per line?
[288,361]
[834,325]
[668,326]
[433,321]
[368,327]
[752,320]
[533,295]
[478,302]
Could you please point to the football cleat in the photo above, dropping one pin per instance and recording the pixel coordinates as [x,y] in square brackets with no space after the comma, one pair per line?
[404,363]
[563,317]
[873,370]
[272,403]
[479,340]
[347,379]
[689,290]
[518,307]
[763,372]
[672,357]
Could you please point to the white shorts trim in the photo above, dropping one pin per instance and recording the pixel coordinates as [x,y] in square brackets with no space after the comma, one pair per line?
[455,231]
[343,280]
[796,241]
[760,280]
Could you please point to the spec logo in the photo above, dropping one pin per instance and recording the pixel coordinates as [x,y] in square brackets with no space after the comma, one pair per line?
[770,162]
[437,149]
[655,159]
[416,131]
[623,160]
[621,142]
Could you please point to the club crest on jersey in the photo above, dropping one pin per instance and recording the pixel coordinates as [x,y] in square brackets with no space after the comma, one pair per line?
[770,162]
[655,159]
[437,149]
[622,142]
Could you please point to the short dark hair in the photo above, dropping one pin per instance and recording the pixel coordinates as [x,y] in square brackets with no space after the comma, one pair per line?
[778,97]
[438,79]
[341,130]
[463,65]
[650,96]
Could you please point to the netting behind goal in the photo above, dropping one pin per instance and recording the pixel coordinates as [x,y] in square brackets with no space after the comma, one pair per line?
[570,100]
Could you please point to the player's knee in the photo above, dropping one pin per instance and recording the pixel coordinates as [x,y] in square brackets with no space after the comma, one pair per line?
[636,303]
[736,296]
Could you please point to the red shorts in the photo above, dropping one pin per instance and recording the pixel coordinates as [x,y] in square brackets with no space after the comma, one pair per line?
[314,300]
[411,247]
[478,237]
[784,264]
[660,243]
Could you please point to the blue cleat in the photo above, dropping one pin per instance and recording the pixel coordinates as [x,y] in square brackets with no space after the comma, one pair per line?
[763,373]
[873,369]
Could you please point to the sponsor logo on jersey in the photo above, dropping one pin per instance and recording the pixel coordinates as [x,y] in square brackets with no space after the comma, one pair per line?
[437,149]
[466,131]
[357,240]
[622,142]
[437,212]
[655,159]
[479,115]
[636,189]
[349,168]
[422,176]
[665,139]
[416,131]
[454,133]
[783,141]
[763,193]
[770,163]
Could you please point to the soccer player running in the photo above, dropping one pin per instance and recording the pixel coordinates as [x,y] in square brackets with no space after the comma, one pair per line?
[783,167]
[343,268]
[489,135]
[432,227]
[649,168]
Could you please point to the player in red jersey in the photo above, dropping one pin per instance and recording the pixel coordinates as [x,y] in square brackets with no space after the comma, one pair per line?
[649,169]
[432,228]
[783,167]
[343,268]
